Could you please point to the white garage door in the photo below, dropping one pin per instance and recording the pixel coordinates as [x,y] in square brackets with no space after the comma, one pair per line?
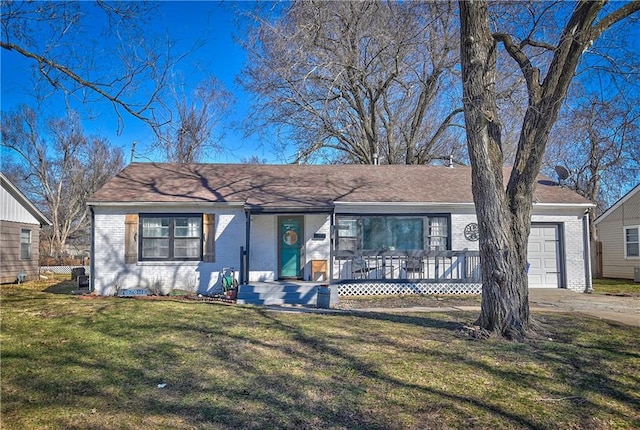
[543,257]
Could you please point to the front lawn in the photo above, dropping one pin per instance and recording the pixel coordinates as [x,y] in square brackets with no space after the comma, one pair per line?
[616,286]
[103,363]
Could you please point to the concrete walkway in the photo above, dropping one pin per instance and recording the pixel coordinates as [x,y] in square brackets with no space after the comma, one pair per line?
[622,309]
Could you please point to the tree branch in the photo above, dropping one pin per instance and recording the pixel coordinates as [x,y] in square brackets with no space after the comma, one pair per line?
[531,73]
[614,17]
[537,44]
[115,100]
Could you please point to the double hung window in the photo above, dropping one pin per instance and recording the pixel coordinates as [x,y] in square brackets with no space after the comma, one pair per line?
[438,237]
[347,234]
[174,237]
[25,244]
[632,241]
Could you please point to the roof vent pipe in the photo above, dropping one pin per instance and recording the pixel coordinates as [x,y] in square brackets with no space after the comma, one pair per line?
[450,161]
[375,158]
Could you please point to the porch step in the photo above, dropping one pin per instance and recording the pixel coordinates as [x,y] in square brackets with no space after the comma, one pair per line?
[275,293]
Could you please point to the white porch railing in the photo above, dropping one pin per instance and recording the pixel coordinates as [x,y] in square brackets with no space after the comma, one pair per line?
[431,266]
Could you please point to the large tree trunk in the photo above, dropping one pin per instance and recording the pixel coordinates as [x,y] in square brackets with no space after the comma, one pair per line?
[505,306]
[504,214]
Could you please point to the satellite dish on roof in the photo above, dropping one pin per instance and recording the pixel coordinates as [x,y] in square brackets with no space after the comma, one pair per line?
[563,173]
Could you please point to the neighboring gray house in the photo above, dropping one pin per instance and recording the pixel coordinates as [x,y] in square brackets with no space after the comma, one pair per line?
[364,229]
[20,223]
[619,235]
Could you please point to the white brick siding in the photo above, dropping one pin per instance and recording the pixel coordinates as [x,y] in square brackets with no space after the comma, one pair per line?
[458,223]
[572,244]
[316,249]
[263,251]
[574,253]
[111,273]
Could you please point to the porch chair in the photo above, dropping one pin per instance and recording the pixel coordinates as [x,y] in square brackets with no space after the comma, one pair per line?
[361,268]
[413,266]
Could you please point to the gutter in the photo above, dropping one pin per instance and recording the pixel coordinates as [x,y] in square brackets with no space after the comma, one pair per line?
[458,204]
[348,204]
[258,210]
[564,205]
[164,204]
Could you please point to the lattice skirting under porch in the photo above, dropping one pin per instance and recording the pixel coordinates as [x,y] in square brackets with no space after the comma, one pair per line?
[396,288]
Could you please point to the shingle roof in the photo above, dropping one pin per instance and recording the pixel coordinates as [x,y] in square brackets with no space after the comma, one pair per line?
[301,186]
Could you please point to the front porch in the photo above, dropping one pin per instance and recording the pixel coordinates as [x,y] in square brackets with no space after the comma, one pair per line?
[376,273]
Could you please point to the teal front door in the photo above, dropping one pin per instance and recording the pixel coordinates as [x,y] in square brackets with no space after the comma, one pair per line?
[290,239]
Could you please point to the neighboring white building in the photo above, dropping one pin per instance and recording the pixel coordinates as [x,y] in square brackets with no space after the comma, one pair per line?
[20,223]
[619,235]
[365,229]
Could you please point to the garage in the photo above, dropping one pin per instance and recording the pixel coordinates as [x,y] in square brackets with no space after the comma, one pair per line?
[543,255]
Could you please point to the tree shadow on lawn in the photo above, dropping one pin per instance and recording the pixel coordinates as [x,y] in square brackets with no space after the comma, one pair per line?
[416,319]
[587,350]
[298,372]
[330,386]
[366,370]
[586,363]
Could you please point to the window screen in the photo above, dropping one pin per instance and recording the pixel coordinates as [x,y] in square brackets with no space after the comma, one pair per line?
[174,237]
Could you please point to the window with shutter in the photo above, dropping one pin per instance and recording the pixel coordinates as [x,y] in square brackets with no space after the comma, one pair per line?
[168,237]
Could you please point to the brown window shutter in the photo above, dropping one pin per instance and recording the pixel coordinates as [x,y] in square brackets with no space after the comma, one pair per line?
[131,239]
[209,254]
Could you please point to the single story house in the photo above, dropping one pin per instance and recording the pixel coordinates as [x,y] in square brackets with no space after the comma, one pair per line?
[619,237]
[364,229]
[20,223]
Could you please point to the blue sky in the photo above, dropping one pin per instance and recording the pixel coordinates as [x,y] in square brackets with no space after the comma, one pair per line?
[215,24]
[210,25]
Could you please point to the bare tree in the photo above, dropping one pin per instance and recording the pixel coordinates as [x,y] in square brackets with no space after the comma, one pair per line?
[599,142]
[253,159]
[59,167]
[356,81]
[504,213]
[197,124]
[66,42]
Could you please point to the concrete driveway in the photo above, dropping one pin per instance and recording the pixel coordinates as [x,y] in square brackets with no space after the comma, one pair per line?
[624,309]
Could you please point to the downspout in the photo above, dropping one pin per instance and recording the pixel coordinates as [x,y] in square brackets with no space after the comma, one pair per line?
[332,223]
[92,252]
[587,247]
[245,274]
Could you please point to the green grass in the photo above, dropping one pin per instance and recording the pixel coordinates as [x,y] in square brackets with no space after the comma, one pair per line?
[72,363]
[616,286]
